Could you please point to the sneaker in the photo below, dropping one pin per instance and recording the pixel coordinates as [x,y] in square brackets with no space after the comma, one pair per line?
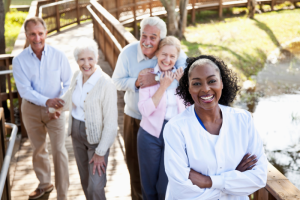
[40,192]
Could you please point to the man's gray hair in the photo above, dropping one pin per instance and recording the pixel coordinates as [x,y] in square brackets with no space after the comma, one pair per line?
[85,44]
[155,21]
[35,20]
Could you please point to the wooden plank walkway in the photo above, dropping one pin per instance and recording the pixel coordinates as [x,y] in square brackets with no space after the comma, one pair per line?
[23,177]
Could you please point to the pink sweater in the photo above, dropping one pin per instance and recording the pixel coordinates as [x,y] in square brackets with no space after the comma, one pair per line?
[152,117]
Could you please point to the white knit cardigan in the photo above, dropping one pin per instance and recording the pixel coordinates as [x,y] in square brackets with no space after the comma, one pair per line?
[101,113]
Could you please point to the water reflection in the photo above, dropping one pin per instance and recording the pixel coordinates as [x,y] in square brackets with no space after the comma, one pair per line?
[274,99]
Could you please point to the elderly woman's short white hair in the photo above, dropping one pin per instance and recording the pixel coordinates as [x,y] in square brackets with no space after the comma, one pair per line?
[85,44]
[155,21]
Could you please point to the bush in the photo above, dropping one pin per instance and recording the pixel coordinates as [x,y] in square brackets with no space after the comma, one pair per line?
[13,22]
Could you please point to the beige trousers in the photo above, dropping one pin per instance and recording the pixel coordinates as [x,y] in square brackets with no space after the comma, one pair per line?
[37,124]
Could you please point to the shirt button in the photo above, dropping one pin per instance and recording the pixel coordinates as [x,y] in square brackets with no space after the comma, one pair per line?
[87,93]
[220,167]
[85,128]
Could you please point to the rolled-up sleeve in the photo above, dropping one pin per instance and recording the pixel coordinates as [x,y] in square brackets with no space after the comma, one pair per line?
[245,183]
[146,104]
[177,169]
[121,77]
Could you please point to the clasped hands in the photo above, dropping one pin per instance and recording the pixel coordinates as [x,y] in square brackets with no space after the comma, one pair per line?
[202,181]
[55,103]
[146,77]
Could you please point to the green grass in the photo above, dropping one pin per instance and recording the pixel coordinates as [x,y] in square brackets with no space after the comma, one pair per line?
[242,43]
[13,23]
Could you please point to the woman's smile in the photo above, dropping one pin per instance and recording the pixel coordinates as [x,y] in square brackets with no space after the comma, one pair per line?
[207,98]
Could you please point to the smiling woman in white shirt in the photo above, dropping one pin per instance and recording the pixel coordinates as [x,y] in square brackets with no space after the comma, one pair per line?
[92,102]
[212,151]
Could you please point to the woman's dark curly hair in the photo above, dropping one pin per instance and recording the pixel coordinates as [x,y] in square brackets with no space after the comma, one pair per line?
[229,79]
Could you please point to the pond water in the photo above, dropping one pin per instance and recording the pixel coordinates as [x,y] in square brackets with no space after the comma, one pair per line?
[275,103]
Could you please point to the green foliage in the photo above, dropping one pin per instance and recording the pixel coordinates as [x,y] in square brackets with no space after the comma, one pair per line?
[13,22]
[241,42]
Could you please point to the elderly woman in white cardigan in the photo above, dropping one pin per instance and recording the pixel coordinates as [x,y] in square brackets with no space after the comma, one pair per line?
[92,102]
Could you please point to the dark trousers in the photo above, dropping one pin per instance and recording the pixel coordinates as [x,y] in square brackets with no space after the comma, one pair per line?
[131,127]
[151,161]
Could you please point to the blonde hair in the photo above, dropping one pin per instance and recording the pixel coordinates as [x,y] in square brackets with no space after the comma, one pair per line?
[35,20]
[170,40]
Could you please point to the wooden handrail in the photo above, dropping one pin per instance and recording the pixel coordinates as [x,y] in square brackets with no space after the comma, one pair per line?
[62,17]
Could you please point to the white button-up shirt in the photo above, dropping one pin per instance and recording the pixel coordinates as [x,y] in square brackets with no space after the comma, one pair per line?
[172,108]
[38,80]
[189,146]
[80,93]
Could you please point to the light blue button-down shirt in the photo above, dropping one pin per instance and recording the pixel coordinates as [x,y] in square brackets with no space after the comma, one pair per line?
[130,62]
[40,80]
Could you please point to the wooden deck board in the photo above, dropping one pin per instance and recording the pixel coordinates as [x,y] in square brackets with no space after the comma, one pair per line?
[23,177]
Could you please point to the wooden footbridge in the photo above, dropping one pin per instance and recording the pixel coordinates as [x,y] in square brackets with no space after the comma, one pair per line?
[66,22]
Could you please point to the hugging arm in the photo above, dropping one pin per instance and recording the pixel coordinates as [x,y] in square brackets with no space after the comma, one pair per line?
[121,77]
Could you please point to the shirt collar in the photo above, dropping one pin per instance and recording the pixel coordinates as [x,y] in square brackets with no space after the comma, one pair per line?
[158,71]
[43,53]
[140,55]
[94,77]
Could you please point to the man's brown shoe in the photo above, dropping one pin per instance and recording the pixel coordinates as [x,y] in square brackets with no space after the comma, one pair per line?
[40,192]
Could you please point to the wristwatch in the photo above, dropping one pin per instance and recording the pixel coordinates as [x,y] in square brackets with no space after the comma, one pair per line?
[157,78]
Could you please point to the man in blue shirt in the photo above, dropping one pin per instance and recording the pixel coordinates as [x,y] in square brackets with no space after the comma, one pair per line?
[134,70]
[40,71]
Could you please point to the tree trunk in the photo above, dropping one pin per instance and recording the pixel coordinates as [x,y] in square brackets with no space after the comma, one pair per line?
[7,5]
[2,20]
[183,17]
[172,22]
[251,8]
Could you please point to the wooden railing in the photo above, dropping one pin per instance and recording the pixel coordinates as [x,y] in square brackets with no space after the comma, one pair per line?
[62,13]
[131,11]
[10,94]
[6,190]
[109,33]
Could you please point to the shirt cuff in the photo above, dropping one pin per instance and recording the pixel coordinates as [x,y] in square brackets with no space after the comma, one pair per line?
[43,101]
[136,89]
[217,182]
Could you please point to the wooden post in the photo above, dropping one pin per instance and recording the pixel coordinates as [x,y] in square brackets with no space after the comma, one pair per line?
[134,18]
[57,18]
[271,197]
[220,8]
[193,12]
[78,11]
[117,11]
[150,7]
[272,4]
[6,189]
[23,130]
[12,117]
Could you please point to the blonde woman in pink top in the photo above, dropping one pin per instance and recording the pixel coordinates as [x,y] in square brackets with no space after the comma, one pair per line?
[158,104]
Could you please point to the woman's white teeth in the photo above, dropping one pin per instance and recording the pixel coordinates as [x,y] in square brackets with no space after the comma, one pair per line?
[164,63]
[207,97]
